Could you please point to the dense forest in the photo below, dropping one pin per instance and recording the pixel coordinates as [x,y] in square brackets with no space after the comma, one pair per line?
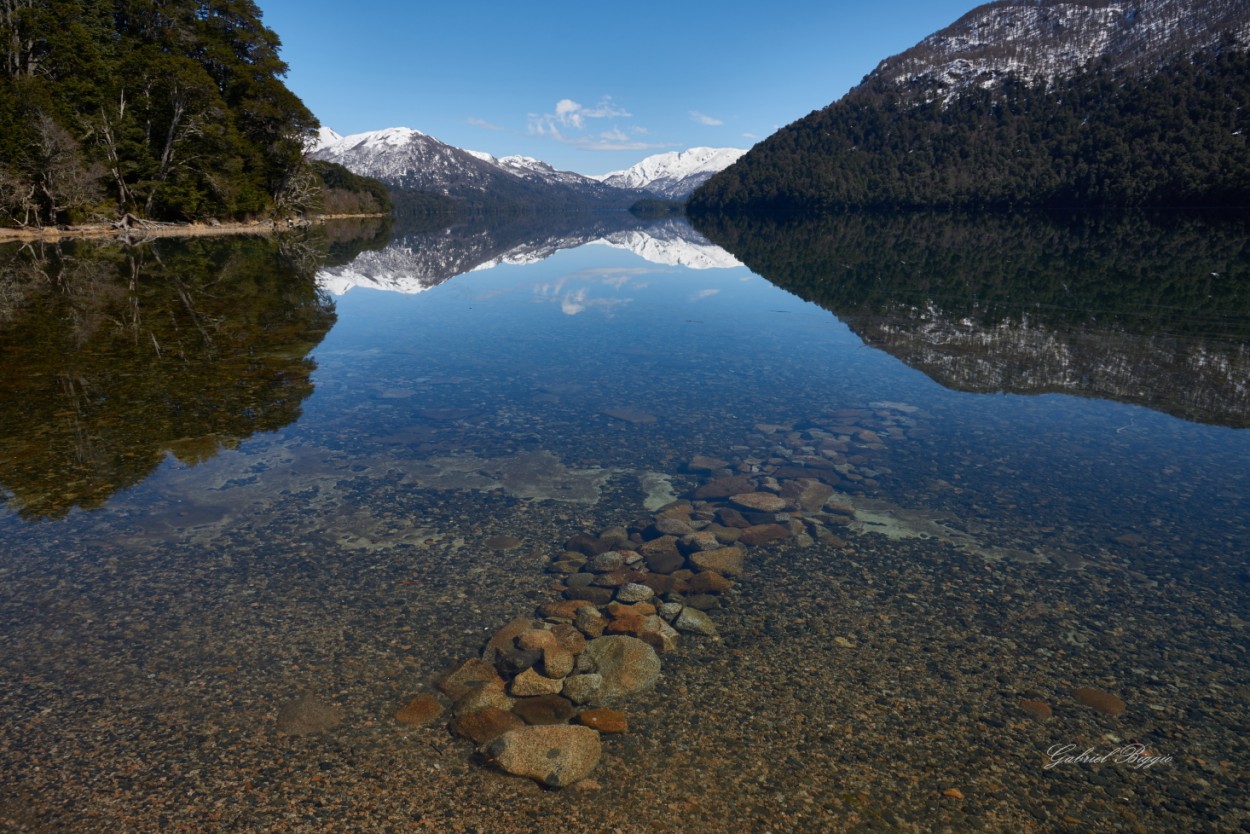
[1178,136]
[169,109]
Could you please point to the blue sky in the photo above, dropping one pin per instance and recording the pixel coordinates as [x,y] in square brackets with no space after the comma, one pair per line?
[586,86]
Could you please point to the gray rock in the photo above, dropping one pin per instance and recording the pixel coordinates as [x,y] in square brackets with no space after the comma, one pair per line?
[694,621]
[627,664]
[634,592]
[604,562]
[582,689]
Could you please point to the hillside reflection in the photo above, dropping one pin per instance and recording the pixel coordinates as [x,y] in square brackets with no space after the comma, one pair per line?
[113,356]
[1153,311]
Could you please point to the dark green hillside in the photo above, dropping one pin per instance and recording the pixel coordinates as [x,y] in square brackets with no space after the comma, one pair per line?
[343,192]
[172,109]
[1105,137]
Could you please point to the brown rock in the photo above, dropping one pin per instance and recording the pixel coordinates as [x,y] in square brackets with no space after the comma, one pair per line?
[535,639]
[709,582]
[468,676]
[484,725]
[762,502]
[661,554]
[569,638]
[1038,709]
[487,695]
[1098,700]
[731,518]
[504,640]
[420,711]
[628,619]
[587,545]
[658,634]
[565,609]
[503,542]
[529,683]
[544,709]
[702,540]
[725,535]
[661,583]
[554,756]
[557,661]
[604,719]
[728,561]
[953,793]
[808,494]
[723,488]
[758,534]
[590,622]
[592,594]
[703,463]
[306,715]
[617,578]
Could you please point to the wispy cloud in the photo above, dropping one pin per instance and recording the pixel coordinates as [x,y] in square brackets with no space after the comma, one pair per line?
[751,136]
[704,119]
[571,123]
[476,122]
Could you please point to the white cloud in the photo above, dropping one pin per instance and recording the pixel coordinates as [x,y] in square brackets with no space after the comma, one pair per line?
[569,118]
[703,119]
[702,294]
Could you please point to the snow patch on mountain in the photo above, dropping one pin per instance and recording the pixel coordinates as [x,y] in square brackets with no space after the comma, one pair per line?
[675,174]
[1053,39]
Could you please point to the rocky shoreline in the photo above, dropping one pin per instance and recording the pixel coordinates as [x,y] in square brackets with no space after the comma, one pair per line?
[144,230]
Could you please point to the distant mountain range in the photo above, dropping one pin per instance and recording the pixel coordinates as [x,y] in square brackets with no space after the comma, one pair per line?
[1026,102]
[409,160]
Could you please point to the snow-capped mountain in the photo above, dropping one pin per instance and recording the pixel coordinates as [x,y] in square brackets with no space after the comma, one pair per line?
[676,174]
[1055,38]
[407,159]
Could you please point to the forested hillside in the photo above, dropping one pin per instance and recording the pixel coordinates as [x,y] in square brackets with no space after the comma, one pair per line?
[1176,136]
[171,109]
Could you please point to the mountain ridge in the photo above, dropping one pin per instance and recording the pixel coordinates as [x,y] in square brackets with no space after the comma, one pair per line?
[409,160]
[1021,103]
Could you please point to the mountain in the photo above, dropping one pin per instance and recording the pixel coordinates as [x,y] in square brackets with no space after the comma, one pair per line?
[1051,40]
[408,160]
[1026,103]
[674,175]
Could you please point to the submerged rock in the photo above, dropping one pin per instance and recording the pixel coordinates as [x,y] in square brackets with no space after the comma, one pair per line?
[1098,700]
[555,756]
[420,711]
[627,664]
[308,714]
[486,724]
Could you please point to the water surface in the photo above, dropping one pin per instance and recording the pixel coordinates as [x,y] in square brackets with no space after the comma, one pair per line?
[238,471]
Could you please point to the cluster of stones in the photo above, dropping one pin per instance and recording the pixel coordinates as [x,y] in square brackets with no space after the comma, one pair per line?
[546,686]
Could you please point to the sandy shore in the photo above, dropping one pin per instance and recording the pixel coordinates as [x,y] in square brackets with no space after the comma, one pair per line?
[97,230]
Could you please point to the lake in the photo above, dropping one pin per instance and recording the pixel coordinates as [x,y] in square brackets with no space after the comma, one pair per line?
[988,479]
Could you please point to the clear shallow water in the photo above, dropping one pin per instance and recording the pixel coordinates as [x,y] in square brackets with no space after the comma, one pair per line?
[339,548]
